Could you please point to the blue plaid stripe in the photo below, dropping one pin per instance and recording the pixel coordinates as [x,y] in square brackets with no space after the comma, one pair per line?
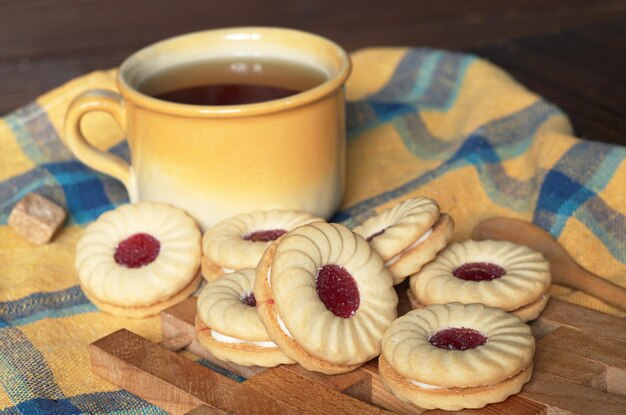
[58,176]
[117,402]
[36,135]
[565,189]
[40,406]
[446,82]
[37,306]
[24,373]
[29,381]
[570,191]
[412,77]
[38,179]
[424,79]
[84,191]
[498,140]
[427,78]
[606,224]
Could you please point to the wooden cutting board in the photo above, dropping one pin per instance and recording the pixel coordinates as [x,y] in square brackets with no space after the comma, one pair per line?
[580,368]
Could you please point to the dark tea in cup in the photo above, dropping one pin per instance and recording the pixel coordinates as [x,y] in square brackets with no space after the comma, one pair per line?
[232,81]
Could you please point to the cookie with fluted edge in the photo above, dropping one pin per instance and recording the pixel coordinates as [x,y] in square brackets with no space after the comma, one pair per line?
[456,356]
[228,326]
[239,242]
[495,273]
[408,235]
[325,297]
[139,259]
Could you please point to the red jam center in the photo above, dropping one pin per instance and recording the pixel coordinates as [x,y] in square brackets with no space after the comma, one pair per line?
[137,250]
[457,338]
[374,235]
[338,290]
[264,236]
[479,271]
[248,299]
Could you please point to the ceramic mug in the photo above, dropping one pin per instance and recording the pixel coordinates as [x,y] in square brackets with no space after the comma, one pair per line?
[218,161]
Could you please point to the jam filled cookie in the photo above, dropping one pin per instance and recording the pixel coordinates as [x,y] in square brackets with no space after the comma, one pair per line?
[228,325]
[139,259]
[408,235]
[239,242]
[495,273]
[456,356]
[325,297]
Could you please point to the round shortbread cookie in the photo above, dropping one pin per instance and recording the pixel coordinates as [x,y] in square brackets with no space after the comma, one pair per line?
[139,256]
[239,242]
[325,297]
[476,355]
[408,235]
[228,326]
[495,273]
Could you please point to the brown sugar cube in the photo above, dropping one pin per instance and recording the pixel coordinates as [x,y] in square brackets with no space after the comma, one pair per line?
[36,219]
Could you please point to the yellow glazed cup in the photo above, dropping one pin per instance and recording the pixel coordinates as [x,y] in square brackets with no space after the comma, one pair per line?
[218,161]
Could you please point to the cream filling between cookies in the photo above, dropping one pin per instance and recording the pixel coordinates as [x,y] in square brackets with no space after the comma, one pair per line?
[429,386]
[281,323]
[426,385]
[421,239]
[234,340]
[227,270]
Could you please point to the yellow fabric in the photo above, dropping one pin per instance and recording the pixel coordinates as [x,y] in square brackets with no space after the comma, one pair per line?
[421,123]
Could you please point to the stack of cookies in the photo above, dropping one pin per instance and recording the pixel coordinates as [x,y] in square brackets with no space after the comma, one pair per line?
[286,287]
[323,296]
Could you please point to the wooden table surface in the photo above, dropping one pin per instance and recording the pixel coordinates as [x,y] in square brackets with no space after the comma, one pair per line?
[571,52]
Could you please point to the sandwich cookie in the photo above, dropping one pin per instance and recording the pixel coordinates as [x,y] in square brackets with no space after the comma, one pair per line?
[408,235]
[495,273]
[228,325]
[456,356]
[139,259]
[239,242]
[325,297]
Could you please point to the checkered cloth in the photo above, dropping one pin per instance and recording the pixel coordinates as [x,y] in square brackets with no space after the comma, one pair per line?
[420,123]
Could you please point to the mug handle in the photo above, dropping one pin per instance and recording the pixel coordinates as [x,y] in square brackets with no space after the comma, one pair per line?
[102,161]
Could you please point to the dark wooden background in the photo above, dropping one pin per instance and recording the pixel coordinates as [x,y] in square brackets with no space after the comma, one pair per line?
[572,52]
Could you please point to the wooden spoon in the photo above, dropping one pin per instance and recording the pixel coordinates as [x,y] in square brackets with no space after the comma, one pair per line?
[565,271]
